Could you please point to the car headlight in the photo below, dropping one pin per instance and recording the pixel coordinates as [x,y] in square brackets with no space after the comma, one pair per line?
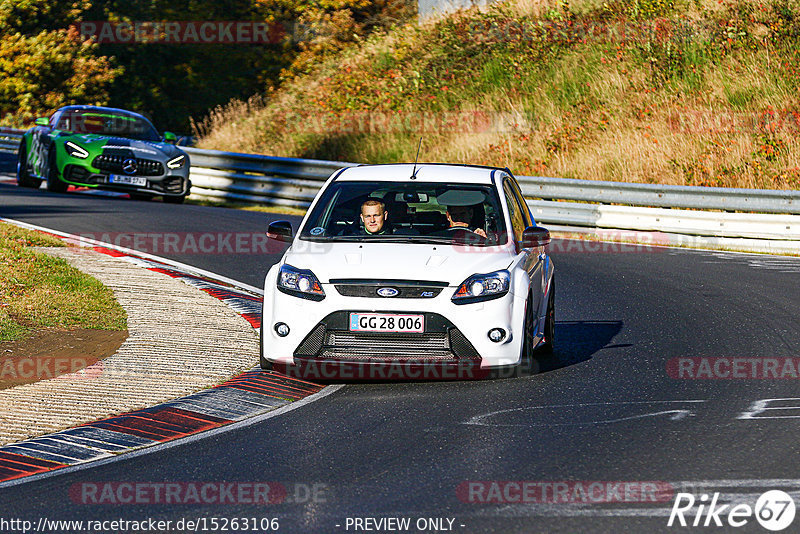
[300,283]
[480,287]
[75,150]
[176,163]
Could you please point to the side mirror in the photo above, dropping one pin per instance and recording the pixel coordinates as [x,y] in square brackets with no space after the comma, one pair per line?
[535,236]
[169,137]
[42,121]
[280,231]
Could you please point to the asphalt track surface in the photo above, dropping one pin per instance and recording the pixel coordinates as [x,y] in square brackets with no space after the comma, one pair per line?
[602,408]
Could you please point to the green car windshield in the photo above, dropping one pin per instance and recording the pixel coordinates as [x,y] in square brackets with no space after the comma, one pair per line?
[104,123]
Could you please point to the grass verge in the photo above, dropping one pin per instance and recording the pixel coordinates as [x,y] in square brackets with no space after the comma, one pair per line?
[38,291]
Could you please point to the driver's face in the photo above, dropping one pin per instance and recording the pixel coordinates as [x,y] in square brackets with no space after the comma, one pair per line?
[373,218]
[459,214]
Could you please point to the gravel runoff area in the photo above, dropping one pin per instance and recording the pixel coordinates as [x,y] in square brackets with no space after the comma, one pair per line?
[180,340]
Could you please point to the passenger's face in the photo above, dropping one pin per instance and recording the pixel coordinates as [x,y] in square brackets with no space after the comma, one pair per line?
[459,214]
[373,218]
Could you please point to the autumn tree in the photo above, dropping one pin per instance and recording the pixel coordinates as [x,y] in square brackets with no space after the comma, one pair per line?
[44,64]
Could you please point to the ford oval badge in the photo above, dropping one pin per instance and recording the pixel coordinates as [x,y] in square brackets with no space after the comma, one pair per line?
[387,292]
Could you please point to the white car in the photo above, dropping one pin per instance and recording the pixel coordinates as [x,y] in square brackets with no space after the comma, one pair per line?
[410,271]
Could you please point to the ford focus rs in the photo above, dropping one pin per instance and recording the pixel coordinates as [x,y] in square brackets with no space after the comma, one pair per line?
[410,267]
[103,148]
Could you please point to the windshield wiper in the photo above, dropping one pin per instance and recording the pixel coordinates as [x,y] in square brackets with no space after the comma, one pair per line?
[412,239]
[416,239]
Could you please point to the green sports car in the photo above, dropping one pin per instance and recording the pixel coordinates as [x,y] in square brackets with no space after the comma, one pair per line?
[103,148]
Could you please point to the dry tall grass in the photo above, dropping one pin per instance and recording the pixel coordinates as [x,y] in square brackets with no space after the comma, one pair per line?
[589,109]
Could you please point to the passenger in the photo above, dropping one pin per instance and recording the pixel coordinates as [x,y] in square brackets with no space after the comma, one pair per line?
[460,217]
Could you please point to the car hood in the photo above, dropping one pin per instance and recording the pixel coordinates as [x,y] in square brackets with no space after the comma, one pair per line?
[392,261]
[121,146]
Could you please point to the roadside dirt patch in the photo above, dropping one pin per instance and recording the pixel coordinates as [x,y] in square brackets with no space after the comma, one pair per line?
[50,353]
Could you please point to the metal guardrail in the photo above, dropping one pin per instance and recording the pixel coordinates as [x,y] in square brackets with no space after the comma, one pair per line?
[293,182]
[10,138]
[688,222]
[262,179]
[259,176]
[665,196]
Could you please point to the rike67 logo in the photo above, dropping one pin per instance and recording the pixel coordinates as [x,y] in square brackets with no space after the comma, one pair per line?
[774,510]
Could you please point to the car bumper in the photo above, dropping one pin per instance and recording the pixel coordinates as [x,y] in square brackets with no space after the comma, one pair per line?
[169,184]
[455,338]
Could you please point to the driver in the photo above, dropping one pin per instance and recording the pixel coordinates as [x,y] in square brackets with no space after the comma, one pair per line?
[460,217]
[373,216]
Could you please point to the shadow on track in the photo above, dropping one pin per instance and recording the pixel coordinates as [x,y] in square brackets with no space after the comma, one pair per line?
[42,203]
[8,162]
[576,342]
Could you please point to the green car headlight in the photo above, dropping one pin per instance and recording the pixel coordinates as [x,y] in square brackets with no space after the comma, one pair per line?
[75,150]
[176,163]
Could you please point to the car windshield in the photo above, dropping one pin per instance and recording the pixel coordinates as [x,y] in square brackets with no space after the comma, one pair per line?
[116,124]
[417,212]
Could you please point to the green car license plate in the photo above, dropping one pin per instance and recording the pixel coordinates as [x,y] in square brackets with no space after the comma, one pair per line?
[127,180]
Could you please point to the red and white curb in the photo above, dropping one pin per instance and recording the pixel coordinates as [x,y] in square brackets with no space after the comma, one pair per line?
[247,395]
[243,397]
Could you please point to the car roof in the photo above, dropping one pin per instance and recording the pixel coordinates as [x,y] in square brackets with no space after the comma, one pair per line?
[425,172]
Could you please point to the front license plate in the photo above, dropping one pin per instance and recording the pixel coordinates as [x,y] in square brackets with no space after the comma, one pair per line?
[386,322]
[127,180]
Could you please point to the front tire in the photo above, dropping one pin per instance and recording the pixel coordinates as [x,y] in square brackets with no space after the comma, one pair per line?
[24,178]
[526,359]
[54,183]
[550,321]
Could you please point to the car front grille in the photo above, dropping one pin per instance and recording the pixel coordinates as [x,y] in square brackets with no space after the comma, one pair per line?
[384,342]
[76,173]
[405,289]
[331,340]
[113,163]
[416,356]
[172,184]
